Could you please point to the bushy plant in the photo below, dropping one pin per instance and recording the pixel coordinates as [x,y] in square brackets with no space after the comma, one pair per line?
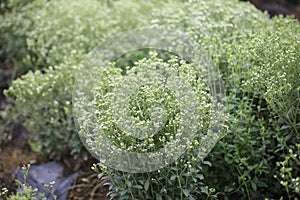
[13,28]
[9,5]
[43,98]
[73,31]
[261,78]
[276,74]
[275,60]
[42,37]
[242,165]
[50,121]
[258,59]
[54,29]
[181,180]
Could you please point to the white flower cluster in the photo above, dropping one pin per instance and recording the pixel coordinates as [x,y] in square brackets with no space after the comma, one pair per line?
[156,110]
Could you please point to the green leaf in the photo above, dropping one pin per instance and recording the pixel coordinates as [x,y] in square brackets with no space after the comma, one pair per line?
[146,185]
[199,176]
[173,177]
[158,196]
[186,192]
[207,163]
[203,190]
[138,187]
[253,185]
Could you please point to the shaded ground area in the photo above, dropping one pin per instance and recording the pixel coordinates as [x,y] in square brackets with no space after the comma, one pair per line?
[86,185]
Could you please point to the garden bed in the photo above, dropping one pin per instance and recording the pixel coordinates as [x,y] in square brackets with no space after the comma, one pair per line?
[257,157]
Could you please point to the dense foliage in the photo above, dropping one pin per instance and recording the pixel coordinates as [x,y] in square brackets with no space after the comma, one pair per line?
[58,37]
[263,99]
[186,172]
[259,61]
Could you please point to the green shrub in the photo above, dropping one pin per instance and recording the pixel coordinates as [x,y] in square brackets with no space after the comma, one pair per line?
[13,28]
[43,99]
[50,121]
[181,180]
[261,78]
[72,31]
[242,161]
[258,59]
[275,57]
[45,33]
[9,5]
[276,61]
[61,27]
